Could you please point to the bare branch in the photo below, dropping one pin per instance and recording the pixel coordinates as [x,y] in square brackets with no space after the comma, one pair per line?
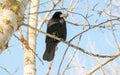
[102,64]
[76,47]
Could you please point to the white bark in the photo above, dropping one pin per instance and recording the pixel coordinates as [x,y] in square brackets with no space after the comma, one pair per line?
[8,25]
[11,16]
[29,56]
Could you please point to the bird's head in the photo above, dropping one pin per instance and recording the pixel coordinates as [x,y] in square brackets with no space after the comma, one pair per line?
[58,15]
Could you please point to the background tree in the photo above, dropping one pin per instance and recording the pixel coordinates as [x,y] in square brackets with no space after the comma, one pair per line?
[92,46]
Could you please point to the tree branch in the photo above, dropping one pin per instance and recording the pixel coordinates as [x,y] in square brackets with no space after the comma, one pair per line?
[67,42]
[102,64]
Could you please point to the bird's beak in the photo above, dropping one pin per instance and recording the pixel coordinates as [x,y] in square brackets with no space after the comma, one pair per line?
[63,16]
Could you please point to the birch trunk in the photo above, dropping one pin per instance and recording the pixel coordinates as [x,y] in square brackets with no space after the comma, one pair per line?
[29,56]
[11,17]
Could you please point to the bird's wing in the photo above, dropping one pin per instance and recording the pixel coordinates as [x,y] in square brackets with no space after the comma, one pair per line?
[57,28]
[52,28]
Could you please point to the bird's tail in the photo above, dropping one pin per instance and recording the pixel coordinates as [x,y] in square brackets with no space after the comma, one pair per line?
[49,52]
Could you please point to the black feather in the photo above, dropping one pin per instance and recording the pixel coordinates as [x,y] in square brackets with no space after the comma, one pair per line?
[57,27]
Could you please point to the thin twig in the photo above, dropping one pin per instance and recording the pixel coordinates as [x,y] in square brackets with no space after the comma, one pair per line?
[71,57]
[62,60]
[5,70]
[49,68]
[67,66]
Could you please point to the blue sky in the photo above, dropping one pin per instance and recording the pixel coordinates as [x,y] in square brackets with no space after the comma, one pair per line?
[97,40]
